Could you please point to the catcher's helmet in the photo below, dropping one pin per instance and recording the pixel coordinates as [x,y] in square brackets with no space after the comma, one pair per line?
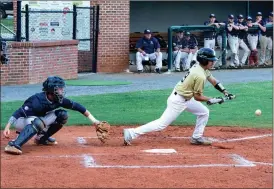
[55,85]
[206,54]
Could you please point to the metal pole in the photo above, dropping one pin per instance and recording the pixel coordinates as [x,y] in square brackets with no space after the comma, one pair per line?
[74,22]
[247,8]
[18,23]
[94,64]
[170,54]
[27,22]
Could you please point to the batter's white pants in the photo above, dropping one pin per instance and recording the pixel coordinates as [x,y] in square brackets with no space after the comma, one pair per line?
[252,41]
[234,46]
[179,55]
[266,45]
[209,43]
[48,119]
[176,104]
[246,51]
[140,57]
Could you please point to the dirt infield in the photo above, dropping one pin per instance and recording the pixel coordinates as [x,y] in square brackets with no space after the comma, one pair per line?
[81,161]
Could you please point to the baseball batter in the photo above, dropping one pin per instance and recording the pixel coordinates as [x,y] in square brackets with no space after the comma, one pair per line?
[187,95]
[39,115]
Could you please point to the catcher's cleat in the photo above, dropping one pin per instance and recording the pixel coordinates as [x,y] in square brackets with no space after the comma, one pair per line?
[50,141]
[12,150]
[127,137]
[200,141]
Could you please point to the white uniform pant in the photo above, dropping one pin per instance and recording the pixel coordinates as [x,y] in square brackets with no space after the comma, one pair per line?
[140,57]
[266,49]
[209,43]
[179,55]
[176,104]
[246,51]
[48,119]
[191,56]
[252,41]
[234,46]
[220,44]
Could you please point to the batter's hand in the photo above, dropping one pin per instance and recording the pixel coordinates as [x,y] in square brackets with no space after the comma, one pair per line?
[212,101]
[230,96]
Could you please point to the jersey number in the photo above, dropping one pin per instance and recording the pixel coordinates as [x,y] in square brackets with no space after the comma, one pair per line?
[185,76]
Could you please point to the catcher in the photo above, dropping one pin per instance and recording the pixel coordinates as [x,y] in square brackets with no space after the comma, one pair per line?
[39,116]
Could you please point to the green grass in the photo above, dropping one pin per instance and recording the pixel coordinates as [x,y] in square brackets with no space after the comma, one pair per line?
[95,83]
[144,106]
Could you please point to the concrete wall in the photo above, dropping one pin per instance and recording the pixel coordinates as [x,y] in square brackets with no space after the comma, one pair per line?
[159,15]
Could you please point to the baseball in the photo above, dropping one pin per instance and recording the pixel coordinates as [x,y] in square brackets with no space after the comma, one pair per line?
[258,112]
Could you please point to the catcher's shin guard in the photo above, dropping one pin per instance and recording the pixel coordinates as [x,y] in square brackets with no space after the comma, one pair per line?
[14,147]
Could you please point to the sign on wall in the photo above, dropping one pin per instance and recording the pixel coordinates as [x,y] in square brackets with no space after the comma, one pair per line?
[57,26]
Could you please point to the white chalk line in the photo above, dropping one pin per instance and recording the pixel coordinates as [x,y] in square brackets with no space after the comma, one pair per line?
[81,140]
[240,161]
[262,163]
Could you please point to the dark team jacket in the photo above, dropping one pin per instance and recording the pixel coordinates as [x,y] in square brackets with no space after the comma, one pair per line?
[209,34]
[178,42]
[241,33]
[38,105]
[192,43]
[148,45]
[233,32]
[261,31]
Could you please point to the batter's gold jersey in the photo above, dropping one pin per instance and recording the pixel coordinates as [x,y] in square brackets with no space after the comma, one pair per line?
[193,82]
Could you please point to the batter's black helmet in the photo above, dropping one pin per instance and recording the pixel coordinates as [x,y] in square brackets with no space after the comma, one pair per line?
[55,85]
[206,54]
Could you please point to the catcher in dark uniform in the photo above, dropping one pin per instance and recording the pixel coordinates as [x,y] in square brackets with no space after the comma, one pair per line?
[40,115]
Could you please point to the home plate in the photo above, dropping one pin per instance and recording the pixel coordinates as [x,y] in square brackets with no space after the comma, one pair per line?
[161,151]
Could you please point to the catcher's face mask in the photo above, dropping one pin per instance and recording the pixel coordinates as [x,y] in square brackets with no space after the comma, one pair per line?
[60,92]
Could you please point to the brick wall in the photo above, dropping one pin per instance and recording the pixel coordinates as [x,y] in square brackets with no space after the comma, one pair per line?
[32,62]
[113,42]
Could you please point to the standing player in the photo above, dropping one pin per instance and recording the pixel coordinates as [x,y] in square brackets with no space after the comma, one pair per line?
[252,38]
[262,37]
[187,95]
[39,115]
[269,35]
[242,35]
[233,41]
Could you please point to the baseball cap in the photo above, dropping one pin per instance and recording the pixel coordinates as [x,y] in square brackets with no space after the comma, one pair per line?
[240,16]
[212,16]
[231,16]
[271,14]
[147,31]
[249,18]
[259,14]
[187,33]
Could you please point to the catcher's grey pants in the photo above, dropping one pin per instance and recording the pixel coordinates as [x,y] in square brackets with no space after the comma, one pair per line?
[48,119]
[176,104]
[140,57]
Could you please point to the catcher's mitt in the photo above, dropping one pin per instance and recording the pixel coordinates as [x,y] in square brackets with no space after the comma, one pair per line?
[102,131]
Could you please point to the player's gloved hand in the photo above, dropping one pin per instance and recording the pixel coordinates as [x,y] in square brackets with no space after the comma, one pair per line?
[219,100]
